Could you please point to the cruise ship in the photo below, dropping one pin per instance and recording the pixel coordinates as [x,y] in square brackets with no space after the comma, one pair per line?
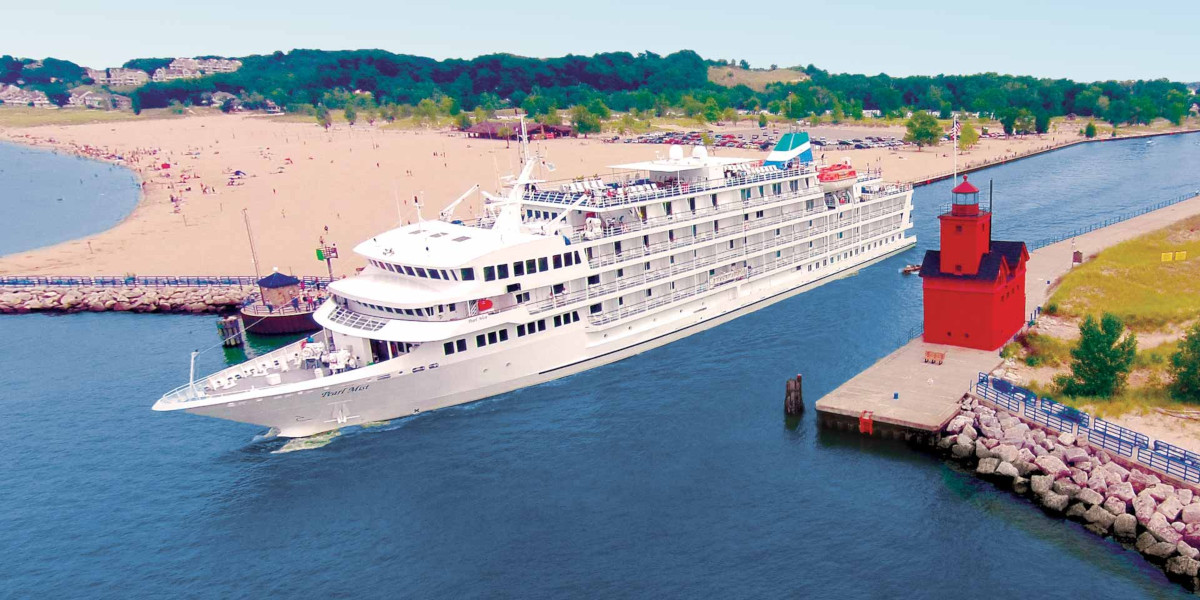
[559,277]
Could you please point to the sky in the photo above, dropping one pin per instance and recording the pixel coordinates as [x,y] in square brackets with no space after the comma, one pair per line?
[1085,41]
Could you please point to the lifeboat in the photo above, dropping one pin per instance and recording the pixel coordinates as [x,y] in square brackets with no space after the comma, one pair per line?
[837,177]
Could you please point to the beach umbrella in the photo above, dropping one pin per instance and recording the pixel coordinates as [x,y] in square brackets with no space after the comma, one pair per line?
[166,165]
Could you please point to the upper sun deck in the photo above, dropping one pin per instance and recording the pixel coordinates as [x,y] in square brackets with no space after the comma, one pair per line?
[440,244]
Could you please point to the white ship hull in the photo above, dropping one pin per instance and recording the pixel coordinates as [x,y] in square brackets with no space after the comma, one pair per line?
[379,392]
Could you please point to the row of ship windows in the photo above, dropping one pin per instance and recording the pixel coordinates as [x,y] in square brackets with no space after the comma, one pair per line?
[501,335]
[467,274]
[531,266]
[412,312]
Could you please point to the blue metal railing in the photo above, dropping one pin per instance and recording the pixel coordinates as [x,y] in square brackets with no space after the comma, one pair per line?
[1176,452]
[1066,413]
[984,388]
[1126,435]
[1111,443]
[150,281]
[1117,219]
[1047,419]
[1169,465]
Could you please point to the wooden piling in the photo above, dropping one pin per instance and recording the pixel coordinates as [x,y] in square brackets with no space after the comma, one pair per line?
[793,402]
[231,331]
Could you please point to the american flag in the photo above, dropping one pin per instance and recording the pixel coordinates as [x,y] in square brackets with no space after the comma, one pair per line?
[956,128]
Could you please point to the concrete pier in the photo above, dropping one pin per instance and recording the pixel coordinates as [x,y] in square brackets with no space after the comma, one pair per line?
[928,393]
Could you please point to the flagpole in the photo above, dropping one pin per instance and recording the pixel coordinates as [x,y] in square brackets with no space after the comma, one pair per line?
[954,128]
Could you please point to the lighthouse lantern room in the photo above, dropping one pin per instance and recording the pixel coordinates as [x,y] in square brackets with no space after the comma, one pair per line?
[974,286]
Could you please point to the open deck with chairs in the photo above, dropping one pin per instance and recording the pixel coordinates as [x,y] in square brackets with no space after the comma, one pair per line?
[915,388]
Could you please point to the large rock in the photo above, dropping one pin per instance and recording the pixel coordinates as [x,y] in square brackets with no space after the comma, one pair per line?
[1096,481]
[1116,507]
[1144,542]
[947,441]
[969,432]
[1089,497]
[982,451]
[1040,484]
[1125,527]
[960,451]
[1160,551]
[1185,496]
[1182,566]
[1025,468]
[1026,454]
[1073,455]
[1143,509]
[1006,452]
[963,439]
[1162,529]
[1185,550]
[1021,485]
[1190,513]
[1142,480]
[1076,511]
[1100,517]
[1161,491]
[1052,466]
[1008,470]
[1191,534]
[1170,507]
[1079,477]
[1066,488]
[1066,439]
[1124,491]
[987,466]
[1055,502]
[956,424]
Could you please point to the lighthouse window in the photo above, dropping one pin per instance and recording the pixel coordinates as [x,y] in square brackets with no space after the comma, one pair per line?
[958,228]
[489,273]
[468,274]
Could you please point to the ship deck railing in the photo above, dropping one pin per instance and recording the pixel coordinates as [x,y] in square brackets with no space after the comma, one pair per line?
[775,265]
[610,195]
[642,250]
[286,362]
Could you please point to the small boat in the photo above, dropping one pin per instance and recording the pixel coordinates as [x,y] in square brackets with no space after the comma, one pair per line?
[910,269]
[837,176]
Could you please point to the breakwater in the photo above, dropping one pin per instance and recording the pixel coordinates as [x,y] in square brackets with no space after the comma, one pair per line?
[160,299]
[1084,470]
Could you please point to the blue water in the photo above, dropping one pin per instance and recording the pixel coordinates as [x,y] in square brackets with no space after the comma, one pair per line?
[47,198]
[673,474]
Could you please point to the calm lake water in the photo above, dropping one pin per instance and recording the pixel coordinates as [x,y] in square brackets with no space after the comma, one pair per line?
[47,198]
[671,474]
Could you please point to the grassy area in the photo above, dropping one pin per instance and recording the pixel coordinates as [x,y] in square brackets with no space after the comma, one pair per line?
[755,79]
[1131,280]
[1132,400]
[25,116]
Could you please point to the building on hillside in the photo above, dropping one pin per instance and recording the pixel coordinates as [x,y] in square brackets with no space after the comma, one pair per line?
[85,98]
[118,77]
[15,96]
[120,102]
[974,287]
[163,74]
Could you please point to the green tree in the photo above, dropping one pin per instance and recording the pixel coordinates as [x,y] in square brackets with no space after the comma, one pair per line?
[743,64]
[506,132]
[425,111]
[1185,366]
[967,137]
[1041,121]
[351,115]
[1101,361]
[838,115]
[923,129]
[598,108]
[1025,121]
[712,111]
[463,120]
[1090,131]
[584,121]
[730,115]
[323,118]
[762,120]
[856,110]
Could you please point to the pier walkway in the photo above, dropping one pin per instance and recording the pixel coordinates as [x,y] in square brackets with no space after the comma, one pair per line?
[929,393]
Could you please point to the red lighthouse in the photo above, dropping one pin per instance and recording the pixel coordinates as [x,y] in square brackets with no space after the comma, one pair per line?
[974,286]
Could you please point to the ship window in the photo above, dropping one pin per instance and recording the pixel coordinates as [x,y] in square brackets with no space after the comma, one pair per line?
[480,341]
[595,309]
[647,265]
[692,204]
[558,260]
[593,279]
[441,308]
[575,316]
[468,274]
[410,271]
[461,345]
[521,330]
[489,273]
[434,273]
[504,335]
[445,275]
[746,217]
[518,268]
[421,272]
[620,272]
[531,266]
[502,271]
[541,324]
[543,264]
[513,287]
[558,320]
[491,337]
[649,293]
[559,288]
[568,259]
[450,307]
[758,215]
[448,348]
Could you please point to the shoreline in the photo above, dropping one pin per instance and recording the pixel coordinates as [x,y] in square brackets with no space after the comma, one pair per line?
[286,208]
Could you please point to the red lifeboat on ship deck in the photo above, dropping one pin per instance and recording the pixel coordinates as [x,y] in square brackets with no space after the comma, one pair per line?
[836,177]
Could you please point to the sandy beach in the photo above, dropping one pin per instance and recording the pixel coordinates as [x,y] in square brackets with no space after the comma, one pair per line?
[302,184]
